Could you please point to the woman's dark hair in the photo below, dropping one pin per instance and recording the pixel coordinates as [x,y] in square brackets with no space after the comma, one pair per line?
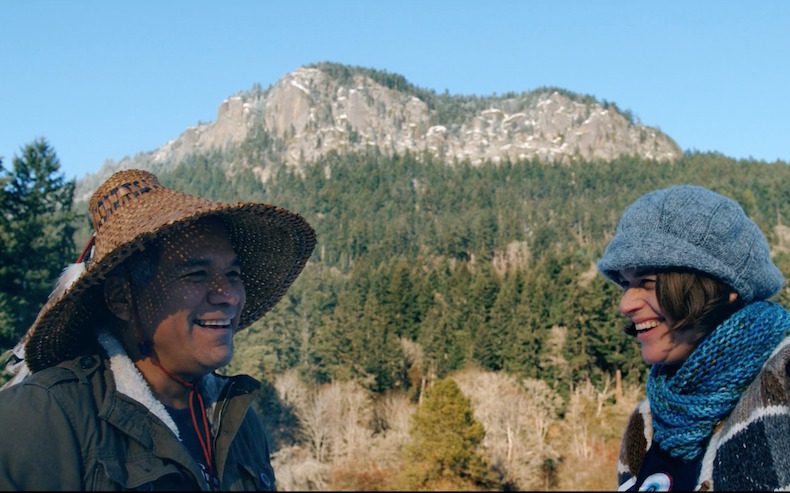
[695,302]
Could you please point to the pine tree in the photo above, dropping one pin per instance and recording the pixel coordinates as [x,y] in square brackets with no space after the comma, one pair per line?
[522,354]
[36,235]
[399,303]
[334,348]
[487,346]
[380,351]
[444,451]
[498,334]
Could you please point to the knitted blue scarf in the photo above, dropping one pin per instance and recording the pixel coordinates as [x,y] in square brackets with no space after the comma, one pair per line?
[687,405]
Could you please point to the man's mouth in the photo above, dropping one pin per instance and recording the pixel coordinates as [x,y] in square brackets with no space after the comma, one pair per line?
[224,323]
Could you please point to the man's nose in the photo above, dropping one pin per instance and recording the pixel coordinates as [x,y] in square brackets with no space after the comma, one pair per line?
[223,291]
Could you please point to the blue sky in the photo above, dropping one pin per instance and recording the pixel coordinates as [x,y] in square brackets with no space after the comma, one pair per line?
[105,79]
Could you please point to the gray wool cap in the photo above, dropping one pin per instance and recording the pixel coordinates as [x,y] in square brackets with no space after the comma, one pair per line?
[695,228]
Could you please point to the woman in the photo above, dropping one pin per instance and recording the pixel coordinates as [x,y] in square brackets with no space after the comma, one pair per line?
[696,273]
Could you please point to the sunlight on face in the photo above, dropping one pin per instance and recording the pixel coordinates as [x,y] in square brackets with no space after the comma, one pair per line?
[640,304]
[192,306]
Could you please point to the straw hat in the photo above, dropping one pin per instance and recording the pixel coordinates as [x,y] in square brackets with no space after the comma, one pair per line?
[131,209]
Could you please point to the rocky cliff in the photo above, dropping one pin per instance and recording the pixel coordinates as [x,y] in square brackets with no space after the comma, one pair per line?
[327,107]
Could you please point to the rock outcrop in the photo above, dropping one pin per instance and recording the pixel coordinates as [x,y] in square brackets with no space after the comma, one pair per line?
[327,108]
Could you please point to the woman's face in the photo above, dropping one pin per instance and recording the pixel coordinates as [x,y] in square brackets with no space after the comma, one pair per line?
[640,304]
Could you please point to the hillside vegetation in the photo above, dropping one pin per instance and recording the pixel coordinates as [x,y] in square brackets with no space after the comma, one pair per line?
[453,286]
[462,298]
[327,108]
[425,271]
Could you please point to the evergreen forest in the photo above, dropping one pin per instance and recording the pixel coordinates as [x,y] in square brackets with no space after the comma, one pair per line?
[478,265]
[426,271]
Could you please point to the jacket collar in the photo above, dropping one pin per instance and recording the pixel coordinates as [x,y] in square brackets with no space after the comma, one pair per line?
[131,383]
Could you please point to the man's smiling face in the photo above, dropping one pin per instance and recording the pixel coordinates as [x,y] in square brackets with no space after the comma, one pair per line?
[192,306]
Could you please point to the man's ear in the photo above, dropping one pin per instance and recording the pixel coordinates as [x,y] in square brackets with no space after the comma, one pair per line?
[118,297]
[733,296]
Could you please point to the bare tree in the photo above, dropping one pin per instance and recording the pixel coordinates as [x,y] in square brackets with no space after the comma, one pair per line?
[351,439]
[553,356]
[590,433]
[393,415]
[517,417]
[334,418]
[350,418]
[297,470]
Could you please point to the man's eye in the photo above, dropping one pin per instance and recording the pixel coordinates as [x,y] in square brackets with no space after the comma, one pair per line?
[234,274]
[197,275]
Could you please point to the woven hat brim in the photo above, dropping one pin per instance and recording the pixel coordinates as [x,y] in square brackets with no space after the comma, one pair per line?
[272,244]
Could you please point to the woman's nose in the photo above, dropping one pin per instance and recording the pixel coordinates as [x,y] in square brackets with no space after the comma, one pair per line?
[630,302]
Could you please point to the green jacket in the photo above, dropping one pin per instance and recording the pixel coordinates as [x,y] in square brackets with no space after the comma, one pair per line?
[69,427]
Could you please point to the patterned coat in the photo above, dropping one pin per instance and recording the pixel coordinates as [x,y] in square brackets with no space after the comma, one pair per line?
[749,450]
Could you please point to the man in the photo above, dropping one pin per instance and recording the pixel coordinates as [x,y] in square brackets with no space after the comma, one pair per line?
[115,386]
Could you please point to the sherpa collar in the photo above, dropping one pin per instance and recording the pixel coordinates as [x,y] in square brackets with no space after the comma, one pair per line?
[131,383]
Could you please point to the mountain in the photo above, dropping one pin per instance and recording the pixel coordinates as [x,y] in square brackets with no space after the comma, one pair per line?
[440,262]
[323,108]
